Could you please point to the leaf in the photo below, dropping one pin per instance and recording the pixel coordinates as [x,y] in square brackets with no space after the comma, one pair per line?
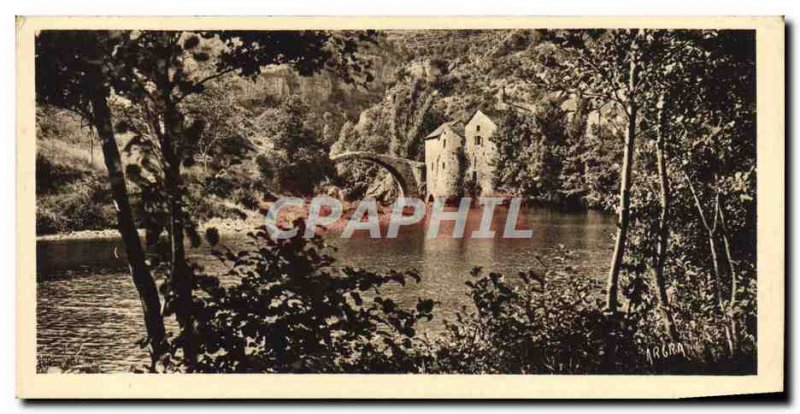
[201,56]
[409,332]
[194,238]
[425,306]
[133,171]
[357,298]
[191,42]
[212,236]
[389,306]
[122,127]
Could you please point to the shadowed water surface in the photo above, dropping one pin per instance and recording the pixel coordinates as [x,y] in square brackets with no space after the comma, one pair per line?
[88,310]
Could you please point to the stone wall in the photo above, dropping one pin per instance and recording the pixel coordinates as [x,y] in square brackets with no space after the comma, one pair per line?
[443,165]
[479,152]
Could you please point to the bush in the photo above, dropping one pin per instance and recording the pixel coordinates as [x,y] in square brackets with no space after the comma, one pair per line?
[290,310]
[80,205]
[71,185]
[541,322]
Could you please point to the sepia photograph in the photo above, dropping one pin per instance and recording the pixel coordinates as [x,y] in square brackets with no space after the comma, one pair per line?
[479,200]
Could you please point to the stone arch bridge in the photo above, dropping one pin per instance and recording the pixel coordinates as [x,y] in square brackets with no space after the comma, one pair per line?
[409,175]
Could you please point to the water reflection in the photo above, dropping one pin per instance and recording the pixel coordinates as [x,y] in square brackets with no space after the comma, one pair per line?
[445,262]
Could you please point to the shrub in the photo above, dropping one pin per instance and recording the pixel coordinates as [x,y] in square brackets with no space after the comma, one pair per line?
[290,310]
[546,321]
[71,185]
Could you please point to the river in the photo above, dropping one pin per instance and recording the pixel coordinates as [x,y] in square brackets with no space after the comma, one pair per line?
[88,310]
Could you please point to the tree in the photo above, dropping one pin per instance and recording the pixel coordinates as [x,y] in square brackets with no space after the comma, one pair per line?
[515,145]
[663,221]
[573,181]
[698,61]
[530,150]
[606,67]
[71,73]
[227,127]
[156,71]
[634,65]
[715,130]
[301,161]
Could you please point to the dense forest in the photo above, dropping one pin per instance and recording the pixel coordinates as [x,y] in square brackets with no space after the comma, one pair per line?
[169,131]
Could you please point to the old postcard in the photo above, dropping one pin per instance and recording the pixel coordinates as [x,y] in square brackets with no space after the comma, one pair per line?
[519,207]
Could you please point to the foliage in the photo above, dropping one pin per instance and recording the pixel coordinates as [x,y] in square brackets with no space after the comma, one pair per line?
[151,74]
[291,310]
[71,193]
[544,321]
[297,162]
[530,149]
[710,164]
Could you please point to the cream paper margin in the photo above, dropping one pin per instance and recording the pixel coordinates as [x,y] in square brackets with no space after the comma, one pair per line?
[770,249]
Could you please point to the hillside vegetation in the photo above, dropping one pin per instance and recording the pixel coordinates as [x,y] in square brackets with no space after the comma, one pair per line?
[419,80]
[657,126]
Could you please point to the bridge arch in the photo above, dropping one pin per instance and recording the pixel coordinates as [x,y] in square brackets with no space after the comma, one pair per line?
[409,175]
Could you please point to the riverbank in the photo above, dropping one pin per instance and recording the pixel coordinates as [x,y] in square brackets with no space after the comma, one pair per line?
[225,226]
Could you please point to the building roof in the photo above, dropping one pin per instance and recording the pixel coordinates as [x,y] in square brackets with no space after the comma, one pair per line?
[455,126]
[492,115]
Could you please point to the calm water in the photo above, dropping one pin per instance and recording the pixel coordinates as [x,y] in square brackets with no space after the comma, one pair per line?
[88,310]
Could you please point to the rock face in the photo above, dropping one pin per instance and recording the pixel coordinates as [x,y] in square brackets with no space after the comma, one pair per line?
[281,81]
[324,91]
[458,159]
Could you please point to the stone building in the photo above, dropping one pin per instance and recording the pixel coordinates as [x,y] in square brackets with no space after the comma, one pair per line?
[458,158]
[480,152]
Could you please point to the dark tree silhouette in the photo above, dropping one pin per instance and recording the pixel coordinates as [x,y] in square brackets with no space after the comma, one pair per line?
[156,71]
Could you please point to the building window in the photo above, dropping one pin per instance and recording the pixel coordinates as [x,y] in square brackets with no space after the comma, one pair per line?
[444,143]
[442,164]
[478,128]
[475,175]
[478,140]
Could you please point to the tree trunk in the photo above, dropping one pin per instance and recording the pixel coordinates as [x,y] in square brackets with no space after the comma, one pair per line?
[180,274]
[712,245]
[729,257]
[181,277]
[142,279]
[663,226]
[711,235]
[170,140]
[624,197]
[732,269]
